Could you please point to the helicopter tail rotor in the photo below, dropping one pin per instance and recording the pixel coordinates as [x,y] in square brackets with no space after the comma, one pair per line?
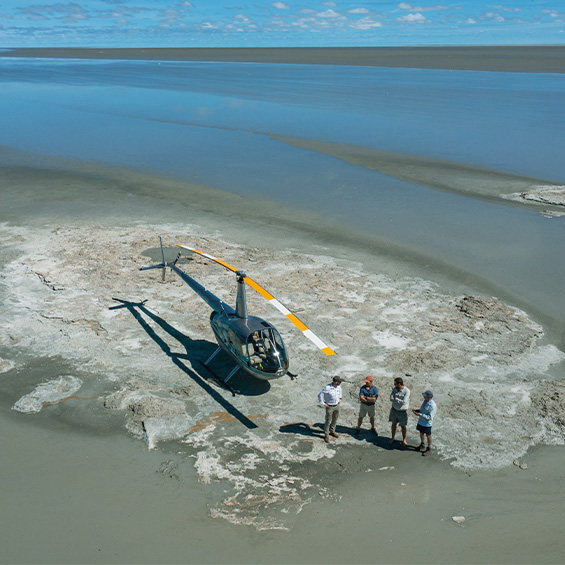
[163,258]
[162,265]
[307,332]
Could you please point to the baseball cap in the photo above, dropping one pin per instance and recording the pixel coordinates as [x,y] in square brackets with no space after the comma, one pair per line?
[428,394]
[337,379]
[369,379]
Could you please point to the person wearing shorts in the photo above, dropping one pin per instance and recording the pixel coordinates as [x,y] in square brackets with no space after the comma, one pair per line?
[400,398]
[426,415]
[368,395]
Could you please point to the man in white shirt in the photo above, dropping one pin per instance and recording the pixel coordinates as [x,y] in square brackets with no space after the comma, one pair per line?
[330,397]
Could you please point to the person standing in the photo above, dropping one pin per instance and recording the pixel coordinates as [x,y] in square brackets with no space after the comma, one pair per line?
[400,398]
[368,395]
[330,397]
[426,415]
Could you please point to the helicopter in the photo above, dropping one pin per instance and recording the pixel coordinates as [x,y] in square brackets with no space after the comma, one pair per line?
[253,343]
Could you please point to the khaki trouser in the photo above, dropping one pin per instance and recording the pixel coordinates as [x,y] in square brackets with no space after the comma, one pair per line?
[332,414]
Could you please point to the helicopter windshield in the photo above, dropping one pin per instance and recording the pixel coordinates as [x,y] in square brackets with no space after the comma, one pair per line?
[266,351]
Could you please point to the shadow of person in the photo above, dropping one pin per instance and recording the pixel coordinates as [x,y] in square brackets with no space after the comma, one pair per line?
[301,428]
[398,445]
[369,437]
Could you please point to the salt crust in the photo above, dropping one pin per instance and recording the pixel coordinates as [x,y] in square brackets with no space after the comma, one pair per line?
[6,365]
[48,393]
[545,194]
[58,295]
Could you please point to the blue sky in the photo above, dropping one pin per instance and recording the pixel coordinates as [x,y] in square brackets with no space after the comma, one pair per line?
[253,23]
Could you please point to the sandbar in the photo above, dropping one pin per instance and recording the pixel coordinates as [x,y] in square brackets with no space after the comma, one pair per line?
[440,174]
[519,59]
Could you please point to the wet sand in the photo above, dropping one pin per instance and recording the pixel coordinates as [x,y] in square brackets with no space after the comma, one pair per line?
[91,497]
[519,59]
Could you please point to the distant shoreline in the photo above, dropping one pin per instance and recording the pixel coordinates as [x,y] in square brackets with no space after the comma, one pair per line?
[525,59]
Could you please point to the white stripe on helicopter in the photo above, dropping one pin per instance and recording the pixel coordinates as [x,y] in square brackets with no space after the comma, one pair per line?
[271,300]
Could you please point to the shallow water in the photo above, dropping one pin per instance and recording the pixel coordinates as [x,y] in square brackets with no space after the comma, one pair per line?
[508,121]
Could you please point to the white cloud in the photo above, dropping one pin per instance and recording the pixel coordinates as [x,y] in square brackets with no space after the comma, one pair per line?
[303,23]
[557,16]
[68,12]
[414,19]
[359,11]
[280,6]
[504,8]
[328,14]
[409,7]
[365,23]
[493,17]
[498,18]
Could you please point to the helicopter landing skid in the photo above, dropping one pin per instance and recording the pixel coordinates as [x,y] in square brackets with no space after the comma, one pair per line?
[221,381]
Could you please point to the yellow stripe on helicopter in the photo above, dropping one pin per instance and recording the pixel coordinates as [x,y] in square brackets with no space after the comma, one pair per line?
[272,301]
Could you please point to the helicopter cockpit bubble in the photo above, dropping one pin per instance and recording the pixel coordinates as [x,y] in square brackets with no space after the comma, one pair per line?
[267,350]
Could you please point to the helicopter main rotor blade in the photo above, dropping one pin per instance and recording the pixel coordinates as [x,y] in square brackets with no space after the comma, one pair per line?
[307,332]
[211,257]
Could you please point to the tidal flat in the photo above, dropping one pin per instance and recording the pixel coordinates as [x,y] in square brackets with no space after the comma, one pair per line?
[120,447]
[527,58]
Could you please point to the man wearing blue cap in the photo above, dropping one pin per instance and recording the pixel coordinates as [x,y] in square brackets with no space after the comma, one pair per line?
[426,415]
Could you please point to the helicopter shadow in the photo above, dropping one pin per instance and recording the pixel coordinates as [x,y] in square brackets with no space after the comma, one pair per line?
[195,351]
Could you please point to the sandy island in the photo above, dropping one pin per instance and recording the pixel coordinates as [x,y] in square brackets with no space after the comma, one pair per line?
[448,176]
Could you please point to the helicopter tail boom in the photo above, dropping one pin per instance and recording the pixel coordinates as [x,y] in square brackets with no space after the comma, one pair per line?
[211,299]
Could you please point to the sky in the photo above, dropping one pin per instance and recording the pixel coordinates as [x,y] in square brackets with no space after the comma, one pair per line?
[280,23]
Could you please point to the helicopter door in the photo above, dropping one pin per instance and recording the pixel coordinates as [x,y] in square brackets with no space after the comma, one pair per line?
[256,349]
[236,344]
